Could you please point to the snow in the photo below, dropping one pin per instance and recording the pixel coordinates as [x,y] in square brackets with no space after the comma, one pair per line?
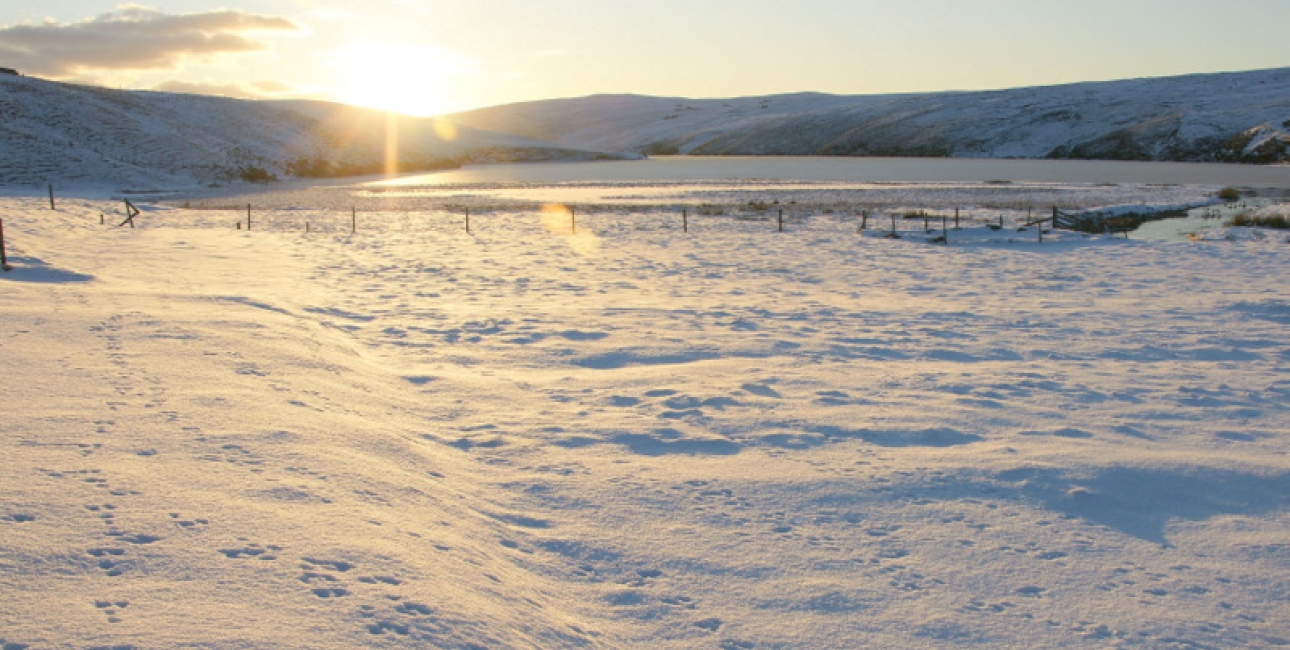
[76,137]
[631,436]
[1190,117]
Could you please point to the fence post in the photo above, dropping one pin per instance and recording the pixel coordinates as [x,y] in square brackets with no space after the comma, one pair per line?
[956,218]
[353,220]
[945,231]
[573,221]
[864,219]
[781,219]
[467,221]
[926,227]
[51,197]
[685,220]
[4,260]
[130,213]
[248,216]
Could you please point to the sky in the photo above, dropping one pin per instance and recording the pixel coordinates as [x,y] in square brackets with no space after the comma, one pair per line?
[432,57]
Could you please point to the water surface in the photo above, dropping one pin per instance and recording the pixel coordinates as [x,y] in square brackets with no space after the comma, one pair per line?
[750,169]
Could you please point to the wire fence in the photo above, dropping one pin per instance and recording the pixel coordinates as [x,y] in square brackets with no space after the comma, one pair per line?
[573,220]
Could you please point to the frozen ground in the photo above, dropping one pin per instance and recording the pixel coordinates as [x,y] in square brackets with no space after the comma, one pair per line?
[634,437]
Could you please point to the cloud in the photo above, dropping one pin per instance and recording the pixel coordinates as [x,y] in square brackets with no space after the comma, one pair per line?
[133,38]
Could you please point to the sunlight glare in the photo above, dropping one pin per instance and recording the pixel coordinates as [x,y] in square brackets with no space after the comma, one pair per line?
[409,79]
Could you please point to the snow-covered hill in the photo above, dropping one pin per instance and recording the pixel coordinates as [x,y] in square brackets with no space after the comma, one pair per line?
[1240,117]
[81,135]
[86,136]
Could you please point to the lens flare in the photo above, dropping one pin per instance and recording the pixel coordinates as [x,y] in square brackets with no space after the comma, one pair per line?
[446,130]
[391,144]
[562,220]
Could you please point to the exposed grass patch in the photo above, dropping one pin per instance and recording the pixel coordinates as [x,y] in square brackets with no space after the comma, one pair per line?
[1276,222]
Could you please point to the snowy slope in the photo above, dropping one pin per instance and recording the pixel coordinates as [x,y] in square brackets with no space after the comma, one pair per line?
[1235,116]
[79,135]
[411,436]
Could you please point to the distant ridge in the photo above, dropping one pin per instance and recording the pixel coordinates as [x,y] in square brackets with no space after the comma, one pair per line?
[87,136]
[1228,117]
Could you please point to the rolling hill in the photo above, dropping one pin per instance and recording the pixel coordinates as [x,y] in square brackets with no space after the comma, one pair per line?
[1233,117]
[74,135]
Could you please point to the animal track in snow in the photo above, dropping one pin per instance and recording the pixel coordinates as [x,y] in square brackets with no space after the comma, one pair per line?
[334,565]
[329,592]
[110,560]
[234,454]
[371,580]
[709,624]
[137,539]
[111,608]
[188,524]
[256,551]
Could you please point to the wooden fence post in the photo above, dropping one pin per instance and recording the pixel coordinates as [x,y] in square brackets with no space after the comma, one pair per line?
[864,220]
[781,219]
[353,220]
[51,197]
[130,213]
[573,222]
[248,216]
[945,230]
[956,218]
[467,221]
[4,260]
[685,220]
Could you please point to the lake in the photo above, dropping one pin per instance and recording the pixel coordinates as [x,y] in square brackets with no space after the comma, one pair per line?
[671,169]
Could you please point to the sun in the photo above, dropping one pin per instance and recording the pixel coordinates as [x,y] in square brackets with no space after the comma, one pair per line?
[411,79]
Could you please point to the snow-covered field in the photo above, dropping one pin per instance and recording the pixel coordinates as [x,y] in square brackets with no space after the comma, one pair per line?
[630,436]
